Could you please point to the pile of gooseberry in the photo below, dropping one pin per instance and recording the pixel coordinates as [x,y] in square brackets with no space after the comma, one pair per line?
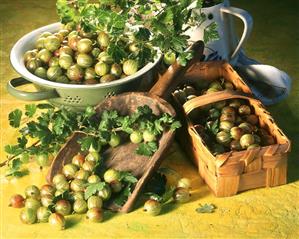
[189,91]
[73,56]
[66,195]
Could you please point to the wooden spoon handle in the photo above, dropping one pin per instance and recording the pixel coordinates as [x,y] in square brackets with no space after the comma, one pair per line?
[168,80]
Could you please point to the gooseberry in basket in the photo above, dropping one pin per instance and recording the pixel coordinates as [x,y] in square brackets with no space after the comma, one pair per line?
[226,125]
[220,104]
[244,110]
[253,146]
[236,132]
[235,103]
[246,127]
[228,117]
[252,119]
[228,110]
[246,140]
[216,85]
[223,137]
[235,145]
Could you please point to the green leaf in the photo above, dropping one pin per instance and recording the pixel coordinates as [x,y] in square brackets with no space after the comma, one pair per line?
[168,195]
[175,125]
[45,106]
[211,33]
[147,149]
[13,149]
[93,188]
[123,196]
[14,118]
[128,177]
[30,110]
[206,208]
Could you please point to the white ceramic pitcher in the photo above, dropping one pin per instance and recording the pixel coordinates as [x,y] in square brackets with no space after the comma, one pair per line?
[222,49]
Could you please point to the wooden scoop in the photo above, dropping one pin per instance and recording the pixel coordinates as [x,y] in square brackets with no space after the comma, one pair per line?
[123,157]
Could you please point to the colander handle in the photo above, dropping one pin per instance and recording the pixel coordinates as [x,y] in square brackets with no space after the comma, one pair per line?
[28,96]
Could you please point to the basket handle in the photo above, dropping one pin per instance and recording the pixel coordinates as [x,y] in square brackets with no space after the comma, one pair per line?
[214,97]
[167,81]
[28,96]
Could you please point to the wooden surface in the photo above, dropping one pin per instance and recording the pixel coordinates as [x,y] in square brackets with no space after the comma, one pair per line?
[261,213]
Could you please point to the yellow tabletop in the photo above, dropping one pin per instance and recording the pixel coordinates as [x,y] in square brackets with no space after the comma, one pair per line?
[260,213]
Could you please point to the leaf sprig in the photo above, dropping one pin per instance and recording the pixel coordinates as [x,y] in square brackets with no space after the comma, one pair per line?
[50,127]
[150,25]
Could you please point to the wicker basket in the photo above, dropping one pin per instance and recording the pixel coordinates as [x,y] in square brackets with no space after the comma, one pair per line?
[229,173]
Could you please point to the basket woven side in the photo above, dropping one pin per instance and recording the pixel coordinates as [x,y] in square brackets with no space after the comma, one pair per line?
[232,172]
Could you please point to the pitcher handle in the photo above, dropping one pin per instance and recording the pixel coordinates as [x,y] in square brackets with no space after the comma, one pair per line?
[247,21]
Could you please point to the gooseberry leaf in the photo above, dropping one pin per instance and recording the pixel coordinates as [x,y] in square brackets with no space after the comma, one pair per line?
[30,110]
[14,118]
[92,188]
[147,149]
[128,177]
[206,208]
